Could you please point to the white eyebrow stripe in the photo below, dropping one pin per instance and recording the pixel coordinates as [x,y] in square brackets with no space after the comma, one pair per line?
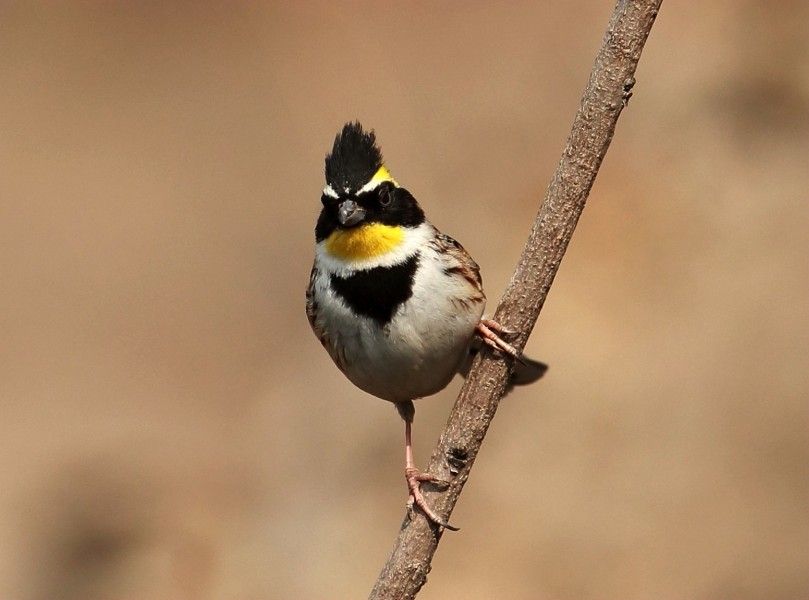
[371,185]
[329,191]
[380,177]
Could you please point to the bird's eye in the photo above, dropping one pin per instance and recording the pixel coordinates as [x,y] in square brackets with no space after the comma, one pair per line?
[385,197]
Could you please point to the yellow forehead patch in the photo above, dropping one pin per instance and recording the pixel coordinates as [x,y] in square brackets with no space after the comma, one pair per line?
[381,175]
[364,241]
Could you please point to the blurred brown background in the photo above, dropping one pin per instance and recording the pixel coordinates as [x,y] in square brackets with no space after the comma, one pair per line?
[172,429]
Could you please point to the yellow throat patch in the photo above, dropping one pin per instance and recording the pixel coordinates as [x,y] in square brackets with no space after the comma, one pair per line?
[364,241]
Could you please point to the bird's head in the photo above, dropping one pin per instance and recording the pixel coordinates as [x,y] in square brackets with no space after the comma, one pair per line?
[365,212]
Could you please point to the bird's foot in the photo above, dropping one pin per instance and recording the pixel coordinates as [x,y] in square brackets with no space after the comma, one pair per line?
[488,329]
[414,478]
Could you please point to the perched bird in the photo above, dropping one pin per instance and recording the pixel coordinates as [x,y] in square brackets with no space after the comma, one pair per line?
[397,304]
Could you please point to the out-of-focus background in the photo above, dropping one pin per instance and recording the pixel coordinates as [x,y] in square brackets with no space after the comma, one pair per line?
[169,426]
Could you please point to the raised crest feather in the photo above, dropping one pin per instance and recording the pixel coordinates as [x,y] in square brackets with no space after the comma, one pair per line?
[354,159]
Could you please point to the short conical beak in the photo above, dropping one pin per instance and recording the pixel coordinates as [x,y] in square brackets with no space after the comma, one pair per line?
[350,213]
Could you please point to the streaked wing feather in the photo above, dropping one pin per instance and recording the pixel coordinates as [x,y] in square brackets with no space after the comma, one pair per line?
[459,262]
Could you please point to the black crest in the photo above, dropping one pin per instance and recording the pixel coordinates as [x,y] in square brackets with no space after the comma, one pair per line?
[354,159]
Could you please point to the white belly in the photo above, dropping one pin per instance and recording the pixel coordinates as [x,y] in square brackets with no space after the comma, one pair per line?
[417,354]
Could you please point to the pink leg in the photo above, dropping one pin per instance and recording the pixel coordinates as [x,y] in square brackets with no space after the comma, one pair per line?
[414,478]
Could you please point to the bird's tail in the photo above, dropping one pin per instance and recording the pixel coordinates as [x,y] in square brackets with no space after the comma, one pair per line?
[526,370]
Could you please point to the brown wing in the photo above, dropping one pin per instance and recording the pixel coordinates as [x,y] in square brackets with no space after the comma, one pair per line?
[311,304]
[460,264]
[336,351]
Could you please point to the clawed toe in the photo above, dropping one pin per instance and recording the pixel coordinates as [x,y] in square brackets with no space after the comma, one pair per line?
[414,479]
[486,329]
[418,476]
[495,326]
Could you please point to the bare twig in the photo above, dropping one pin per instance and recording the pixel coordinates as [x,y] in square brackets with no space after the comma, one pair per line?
[607,93]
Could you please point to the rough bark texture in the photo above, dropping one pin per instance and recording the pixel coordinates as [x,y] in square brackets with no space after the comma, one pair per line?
[607,93]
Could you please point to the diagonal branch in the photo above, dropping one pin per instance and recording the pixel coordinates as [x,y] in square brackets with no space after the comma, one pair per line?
[607,93]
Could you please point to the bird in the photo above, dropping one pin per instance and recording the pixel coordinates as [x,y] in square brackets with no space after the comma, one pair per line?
[397,304]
